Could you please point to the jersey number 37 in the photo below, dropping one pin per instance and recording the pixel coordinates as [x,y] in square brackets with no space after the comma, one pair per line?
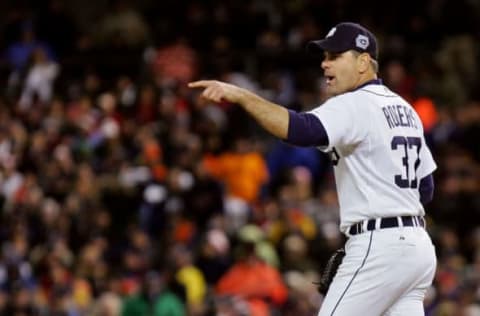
[409,149]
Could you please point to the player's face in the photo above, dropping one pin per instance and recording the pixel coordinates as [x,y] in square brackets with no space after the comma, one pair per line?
[340,71]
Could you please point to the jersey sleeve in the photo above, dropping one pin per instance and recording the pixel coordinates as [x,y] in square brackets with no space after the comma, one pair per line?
[427,163]
[341,122]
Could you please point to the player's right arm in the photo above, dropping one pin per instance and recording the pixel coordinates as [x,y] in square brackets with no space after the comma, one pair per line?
[302,129]
[274,118]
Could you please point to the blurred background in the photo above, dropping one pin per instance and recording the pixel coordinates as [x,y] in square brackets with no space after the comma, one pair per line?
[124,193]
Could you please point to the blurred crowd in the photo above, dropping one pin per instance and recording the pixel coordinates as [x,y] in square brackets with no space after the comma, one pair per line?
[122,192]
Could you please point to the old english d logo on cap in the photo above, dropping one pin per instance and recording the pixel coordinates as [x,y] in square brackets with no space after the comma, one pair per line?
[362,41]
[345,36]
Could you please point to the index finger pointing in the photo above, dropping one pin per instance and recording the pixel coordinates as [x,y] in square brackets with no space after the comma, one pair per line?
[199,84]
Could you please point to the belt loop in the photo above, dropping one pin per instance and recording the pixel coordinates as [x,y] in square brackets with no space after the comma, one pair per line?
[364,225]
[378,222]
[400,222]
[416,222]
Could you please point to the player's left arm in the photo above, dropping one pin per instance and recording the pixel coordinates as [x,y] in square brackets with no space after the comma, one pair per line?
[426,189]
[425,171]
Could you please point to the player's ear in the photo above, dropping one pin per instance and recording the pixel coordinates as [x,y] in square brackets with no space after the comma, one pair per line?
[363,62]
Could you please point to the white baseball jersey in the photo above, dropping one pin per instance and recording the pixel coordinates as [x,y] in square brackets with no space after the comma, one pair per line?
[379,152]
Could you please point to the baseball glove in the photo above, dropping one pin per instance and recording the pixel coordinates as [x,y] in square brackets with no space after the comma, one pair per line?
[330,270]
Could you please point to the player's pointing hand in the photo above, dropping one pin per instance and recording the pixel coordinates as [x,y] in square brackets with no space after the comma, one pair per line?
[218,91]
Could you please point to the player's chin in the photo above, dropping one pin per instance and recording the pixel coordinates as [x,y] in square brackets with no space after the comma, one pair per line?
[331,91]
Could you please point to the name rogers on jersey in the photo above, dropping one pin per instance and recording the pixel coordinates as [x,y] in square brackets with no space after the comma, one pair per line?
[399,115]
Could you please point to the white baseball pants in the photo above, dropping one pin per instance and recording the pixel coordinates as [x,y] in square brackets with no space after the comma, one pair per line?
[384,272]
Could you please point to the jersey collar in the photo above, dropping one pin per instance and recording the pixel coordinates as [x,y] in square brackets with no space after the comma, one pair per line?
[373,81]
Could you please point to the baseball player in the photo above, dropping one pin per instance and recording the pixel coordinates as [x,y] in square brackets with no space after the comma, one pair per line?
[383,172]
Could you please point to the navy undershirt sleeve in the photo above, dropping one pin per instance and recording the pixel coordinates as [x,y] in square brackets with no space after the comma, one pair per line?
[305,129]
[426,189]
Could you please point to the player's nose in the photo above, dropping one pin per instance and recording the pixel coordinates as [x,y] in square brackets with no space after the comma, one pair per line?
[325,64]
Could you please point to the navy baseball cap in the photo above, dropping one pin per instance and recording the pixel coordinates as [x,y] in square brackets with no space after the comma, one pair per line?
[346,36]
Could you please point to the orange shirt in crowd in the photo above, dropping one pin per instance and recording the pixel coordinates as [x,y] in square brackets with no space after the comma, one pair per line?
[243,173]
[256,282]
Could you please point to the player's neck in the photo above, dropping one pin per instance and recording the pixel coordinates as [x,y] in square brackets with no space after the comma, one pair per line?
[365,79]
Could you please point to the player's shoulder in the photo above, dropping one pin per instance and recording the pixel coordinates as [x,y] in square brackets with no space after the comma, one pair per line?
[370,93]
[376,95]
[365,91]
[378,90]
